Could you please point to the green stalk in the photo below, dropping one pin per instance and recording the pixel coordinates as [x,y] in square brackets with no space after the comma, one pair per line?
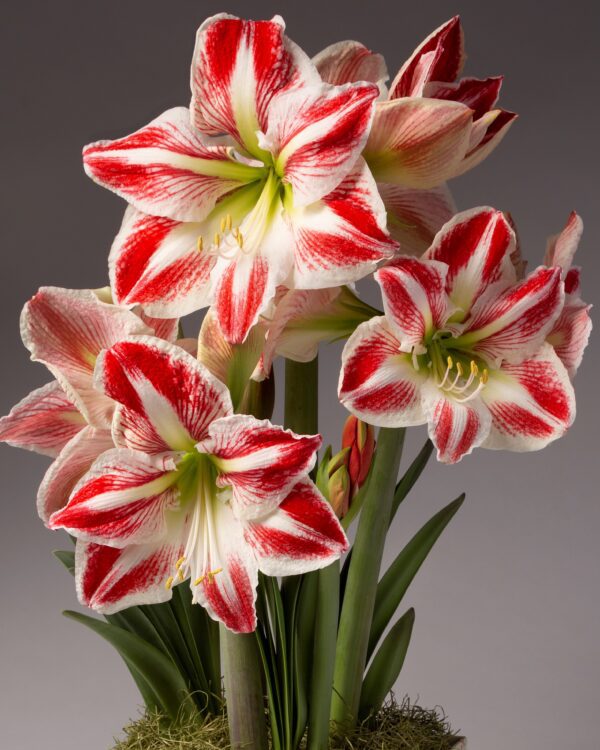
[301,409]
[363,574]
[243,691]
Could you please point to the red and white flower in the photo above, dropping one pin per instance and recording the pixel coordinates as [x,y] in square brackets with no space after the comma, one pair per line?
[571,332]
[428,128]
[68,419]
[462,345]
[192,491]
[259,184]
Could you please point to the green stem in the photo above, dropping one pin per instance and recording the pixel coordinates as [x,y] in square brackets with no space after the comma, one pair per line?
[301,410]
[243,691]
[361,586]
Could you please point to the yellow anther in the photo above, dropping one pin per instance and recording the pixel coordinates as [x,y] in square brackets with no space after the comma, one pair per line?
[450,362]
[228,222]
[459,369]
[210,575]
[240,239]
[223,225]
[200,244]
[217,239]
[236,232]
[484,377]
[180,575]
[474,368]
[169,583]
[198,581]
[179,562]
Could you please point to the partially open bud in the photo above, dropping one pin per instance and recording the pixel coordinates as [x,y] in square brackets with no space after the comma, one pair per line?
[359,438]
[339,487]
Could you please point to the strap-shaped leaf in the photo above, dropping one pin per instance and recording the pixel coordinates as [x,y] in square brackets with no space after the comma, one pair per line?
[410,476]
[154,667]
[67,558]
[399,575]
[386,666]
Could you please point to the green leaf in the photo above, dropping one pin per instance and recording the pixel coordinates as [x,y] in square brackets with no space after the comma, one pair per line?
[399,575]
[410,476]
[303,650]
[386,666]
[67,558]
[154,667]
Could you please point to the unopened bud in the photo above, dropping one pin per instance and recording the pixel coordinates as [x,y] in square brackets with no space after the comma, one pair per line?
[339,491]
[359,438]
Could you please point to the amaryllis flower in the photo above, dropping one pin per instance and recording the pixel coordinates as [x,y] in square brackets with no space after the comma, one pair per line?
[462,346]
[427,129]
[68,419]
[259,184]
[571,332]
[192,491]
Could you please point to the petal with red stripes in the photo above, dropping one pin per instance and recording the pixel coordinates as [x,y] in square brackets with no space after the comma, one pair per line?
[570,334]
[167,398]
[479,95]
[531,403]
[348,62]
[477,246]
[513,325]
[378,383]
[341,238]
[44,421]
[561,248]
[167,169]
[419,143]
[66,329]
[158,263]
[454,428]
[414,300]
[316,134]
[302,534]
[440,57]
[122,500]
[496,125]
[237,68]
[75,460]
[259,461]
[415,216]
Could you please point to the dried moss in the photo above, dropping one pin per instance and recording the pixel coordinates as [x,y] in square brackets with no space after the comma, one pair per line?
[404,726]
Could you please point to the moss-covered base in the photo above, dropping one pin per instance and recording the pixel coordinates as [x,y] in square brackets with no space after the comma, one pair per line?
[402,726]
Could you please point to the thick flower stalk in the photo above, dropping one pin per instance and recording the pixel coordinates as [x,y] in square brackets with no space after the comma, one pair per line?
[462,346]
[259,184]
[192,493]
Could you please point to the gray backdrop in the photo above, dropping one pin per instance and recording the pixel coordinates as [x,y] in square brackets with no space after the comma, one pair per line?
[508,616]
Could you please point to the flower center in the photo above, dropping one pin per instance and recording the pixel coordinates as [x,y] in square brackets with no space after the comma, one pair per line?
[455,372]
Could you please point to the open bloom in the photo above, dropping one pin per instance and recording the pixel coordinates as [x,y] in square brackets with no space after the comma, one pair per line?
[428,128]
[192,491]
[68,419]
[462,345]
[259,184]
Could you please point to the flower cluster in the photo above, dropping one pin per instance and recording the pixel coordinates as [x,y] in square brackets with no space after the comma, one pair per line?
[285,181]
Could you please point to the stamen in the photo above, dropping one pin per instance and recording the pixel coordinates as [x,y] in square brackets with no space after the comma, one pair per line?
[180,562]
[450,365]
[210,575]
[169,583]
[217,239]
[228,222]
[223,225]
[200,244]
[485,376]
[180,575]
[240,239]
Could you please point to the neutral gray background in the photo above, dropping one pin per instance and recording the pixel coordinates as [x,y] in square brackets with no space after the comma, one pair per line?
[507,606]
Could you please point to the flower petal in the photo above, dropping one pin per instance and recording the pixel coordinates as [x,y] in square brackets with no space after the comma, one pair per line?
[302,534]
[477,246]
[167,398]
[514,324]
[419,143]
[238,67]
[109,579]
[571,333]
[155,262]
[66,329]
[377,382]
[561,248]
[226,584]
[414,300]
[349,61]
[454,428]
[444,52]
[166,169]
[531,403]
[497,124]
[415,216]
[341,238]
[258,460]
[122,500]
[317,133]
[75,460]
[479,95]
[44,421]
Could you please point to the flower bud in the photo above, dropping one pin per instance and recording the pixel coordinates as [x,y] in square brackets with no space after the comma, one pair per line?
[338,484]
[359,438]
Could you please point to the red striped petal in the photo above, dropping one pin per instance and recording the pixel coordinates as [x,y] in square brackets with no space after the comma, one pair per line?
[316,135]
[531,403]
[561,248]
[478,95]
[122,499]
[443,51]
[155,262]
[168,399]
[44,421]
[378,383]
[302,534]
[414,300]
[477,246]
[166,169]
[571,333]
[348,62]
[258,460]
[488,132]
